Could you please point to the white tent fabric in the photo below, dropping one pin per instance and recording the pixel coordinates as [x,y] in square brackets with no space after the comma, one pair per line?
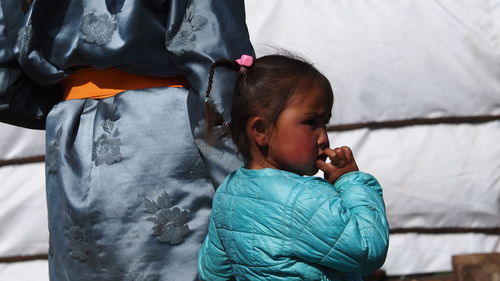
[23,211]
[25,271]
[414,253]
[390,60]
[386,60]
[20,143]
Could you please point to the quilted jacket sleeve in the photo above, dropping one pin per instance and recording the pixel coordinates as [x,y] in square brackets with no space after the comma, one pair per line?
[344,226]
[213,263]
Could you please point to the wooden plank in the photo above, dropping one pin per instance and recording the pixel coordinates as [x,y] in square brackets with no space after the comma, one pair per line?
[477,267]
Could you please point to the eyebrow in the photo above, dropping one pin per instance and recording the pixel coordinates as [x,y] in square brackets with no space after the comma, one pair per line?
[318,113]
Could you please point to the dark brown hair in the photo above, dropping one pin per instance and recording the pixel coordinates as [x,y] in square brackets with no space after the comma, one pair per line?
[264,89]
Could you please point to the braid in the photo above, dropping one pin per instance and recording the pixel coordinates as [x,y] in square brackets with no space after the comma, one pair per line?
[212,117]
[222,62]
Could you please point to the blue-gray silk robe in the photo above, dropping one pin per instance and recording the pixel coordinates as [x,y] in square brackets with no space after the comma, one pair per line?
[130,178]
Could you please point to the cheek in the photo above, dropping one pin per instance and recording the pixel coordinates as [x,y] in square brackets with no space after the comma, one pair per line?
[301,148]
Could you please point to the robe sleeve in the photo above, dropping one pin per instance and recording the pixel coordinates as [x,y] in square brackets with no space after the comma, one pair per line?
[22,102]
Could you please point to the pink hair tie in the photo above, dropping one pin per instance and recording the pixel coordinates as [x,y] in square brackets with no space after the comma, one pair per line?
[245,61]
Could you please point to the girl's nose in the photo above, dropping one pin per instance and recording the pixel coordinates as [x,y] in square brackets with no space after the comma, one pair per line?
[323,141]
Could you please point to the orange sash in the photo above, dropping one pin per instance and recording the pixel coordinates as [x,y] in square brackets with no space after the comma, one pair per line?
[98,84]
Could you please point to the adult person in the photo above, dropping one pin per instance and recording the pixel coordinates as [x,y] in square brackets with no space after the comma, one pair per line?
[118,85]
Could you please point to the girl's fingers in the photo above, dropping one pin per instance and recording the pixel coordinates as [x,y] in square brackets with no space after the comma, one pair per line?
[339,151]
[340,158]
[348,153]
[327,169]
[322,166]
[329,152]
[350,158]
[341,162]
[336,162]
[332,155]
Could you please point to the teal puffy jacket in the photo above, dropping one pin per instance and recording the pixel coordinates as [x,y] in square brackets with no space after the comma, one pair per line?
[274,225]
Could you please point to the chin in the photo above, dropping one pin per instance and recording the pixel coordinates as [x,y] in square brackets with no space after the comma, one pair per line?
[304,170]
[311,172]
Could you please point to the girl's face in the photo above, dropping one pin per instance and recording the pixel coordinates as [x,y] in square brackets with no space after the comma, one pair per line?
[299,137]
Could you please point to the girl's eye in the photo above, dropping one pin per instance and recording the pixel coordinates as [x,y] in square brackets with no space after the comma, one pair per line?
[311,122]
[317,122]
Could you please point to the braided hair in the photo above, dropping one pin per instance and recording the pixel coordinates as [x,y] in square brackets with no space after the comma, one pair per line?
[212,117]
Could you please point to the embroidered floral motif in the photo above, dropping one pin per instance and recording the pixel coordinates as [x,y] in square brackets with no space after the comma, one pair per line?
[98,29]
[52,152]
[186,35]
[106,148]
[77,245]
[24,39]
[170,223]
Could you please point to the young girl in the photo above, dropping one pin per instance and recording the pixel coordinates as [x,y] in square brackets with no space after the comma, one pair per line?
[268,222]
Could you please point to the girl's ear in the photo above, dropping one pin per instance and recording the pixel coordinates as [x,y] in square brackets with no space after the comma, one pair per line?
[257,131]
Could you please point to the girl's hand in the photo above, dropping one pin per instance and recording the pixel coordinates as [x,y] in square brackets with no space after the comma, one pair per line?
[341,162]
